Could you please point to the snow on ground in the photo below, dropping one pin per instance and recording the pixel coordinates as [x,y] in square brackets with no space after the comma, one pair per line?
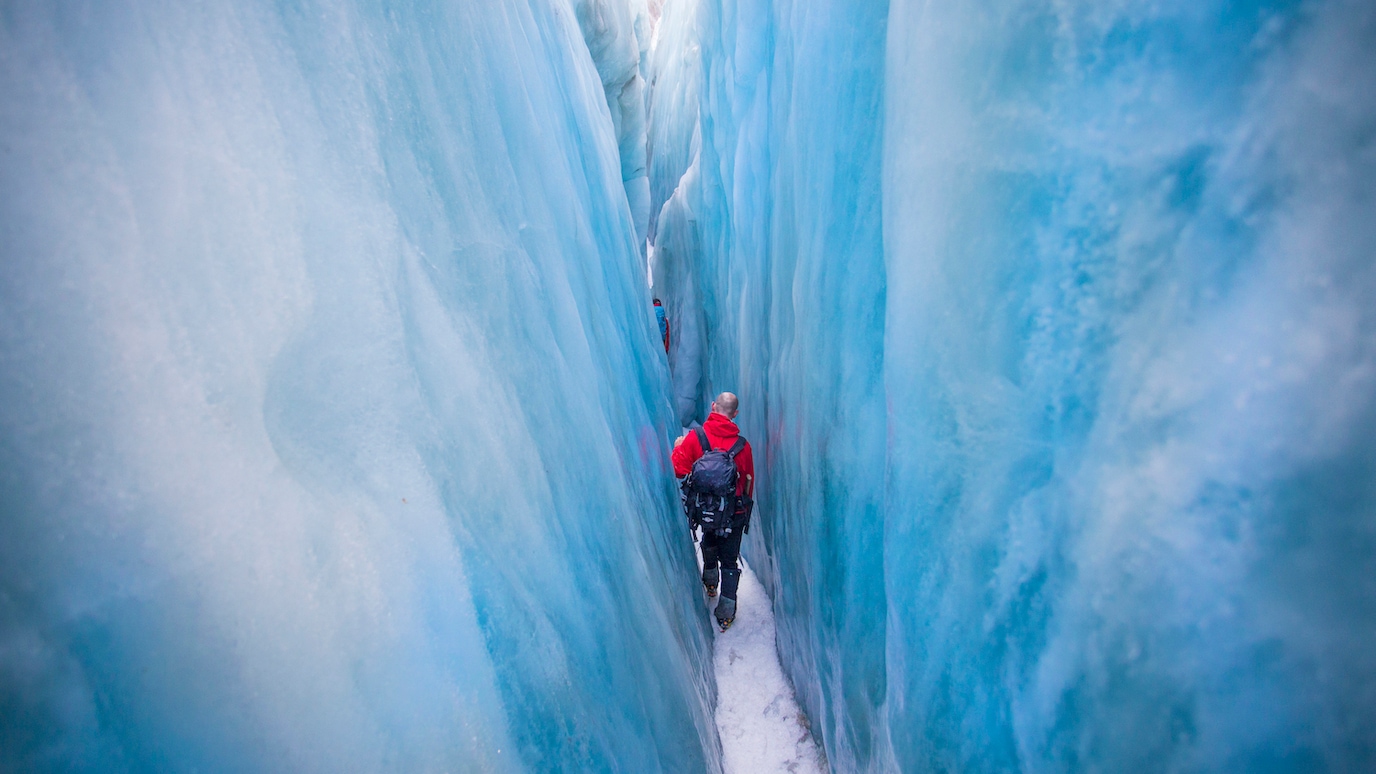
[762,729]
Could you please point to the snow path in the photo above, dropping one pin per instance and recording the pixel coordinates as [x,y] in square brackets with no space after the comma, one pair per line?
[762,729]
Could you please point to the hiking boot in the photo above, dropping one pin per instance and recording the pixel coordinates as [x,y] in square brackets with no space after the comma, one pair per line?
[710,579]
[726,613]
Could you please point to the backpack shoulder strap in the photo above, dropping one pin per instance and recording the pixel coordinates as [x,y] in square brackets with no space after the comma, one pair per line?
[702,439]
[736,448]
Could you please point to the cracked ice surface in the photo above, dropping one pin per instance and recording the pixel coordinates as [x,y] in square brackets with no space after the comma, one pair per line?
[762,729]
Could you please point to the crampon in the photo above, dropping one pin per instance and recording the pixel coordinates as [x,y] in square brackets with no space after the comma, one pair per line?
[725,613]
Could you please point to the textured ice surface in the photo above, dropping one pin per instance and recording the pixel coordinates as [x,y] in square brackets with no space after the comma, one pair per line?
[762,729]
[617,33]
[672,147]
[1052,325]
[332,419]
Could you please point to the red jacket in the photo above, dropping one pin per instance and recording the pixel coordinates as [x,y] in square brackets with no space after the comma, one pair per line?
[722,433]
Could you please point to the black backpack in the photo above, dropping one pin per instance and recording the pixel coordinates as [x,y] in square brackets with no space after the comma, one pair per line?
[709,490]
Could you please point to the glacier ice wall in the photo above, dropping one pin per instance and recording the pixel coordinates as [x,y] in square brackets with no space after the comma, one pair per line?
[617,33]
[1053,323]
[332,419]
[671,146]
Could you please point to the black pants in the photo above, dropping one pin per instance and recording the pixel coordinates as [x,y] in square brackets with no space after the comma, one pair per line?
[723,551]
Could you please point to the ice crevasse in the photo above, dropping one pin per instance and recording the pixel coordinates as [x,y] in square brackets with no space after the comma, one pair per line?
[334,434]
[334,419]
[1055,320]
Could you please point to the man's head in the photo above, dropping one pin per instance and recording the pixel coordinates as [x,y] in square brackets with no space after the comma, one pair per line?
[656,302]
[726,405]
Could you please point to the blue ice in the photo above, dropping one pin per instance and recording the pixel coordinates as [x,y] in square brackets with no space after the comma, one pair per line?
[334,416]
[1056,321]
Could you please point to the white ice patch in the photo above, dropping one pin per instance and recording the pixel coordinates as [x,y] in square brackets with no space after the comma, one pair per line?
[762,728]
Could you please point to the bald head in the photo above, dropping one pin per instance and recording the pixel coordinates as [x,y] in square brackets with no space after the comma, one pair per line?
[726,403]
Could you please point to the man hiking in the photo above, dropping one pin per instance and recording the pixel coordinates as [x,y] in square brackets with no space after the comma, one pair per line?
[663,323]
[718,498]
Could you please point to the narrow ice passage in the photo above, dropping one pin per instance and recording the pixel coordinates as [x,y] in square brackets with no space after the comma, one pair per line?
[762,728]
[335,420]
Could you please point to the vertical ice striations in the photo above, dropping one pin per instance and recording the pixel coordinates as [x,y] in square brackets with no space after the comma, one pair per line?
[331,426]
[672,139]
[617,33]
[1053,322]
[783,256]
[1129,276]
